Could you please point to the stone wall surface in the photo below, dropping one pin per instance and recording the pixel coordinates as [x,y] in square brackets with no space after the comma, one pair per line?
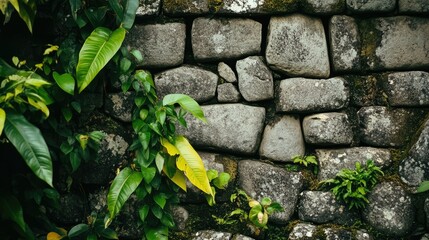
[344,80]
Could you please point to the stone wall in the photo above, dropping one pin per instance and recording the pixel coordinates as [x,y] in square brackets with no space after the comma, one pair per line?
[344,80]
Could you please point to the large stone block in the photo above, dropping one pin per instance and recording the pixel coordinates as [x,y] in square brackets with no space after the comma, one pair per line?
[323,7]
[360,6]
[120,105]
[384,127]
[297,46]
[233,128]
[162,45]
[395,42]
[194,81]
[225,38]
[265,180]
[331,161]
[409,89]
[148,8]
[345,44]
[311,95]
[282,139]
[255,80]
[390,210]
[413,6]
[327,129]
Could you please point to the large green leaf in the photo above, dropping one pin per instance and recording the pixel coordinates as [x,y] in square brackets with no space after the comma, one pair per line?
[65,82]
[75,6]
[124,184]
[130,13]
[11,209]
[30,143]
[96,52]
[159,233]
[192,165]
[187,103]
[2,120]
[5,68]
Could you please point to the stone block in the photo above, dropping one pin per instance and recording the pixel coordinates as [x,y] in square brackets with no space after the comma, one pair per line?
[312,95]
[303,231]
[255,80]
[297,46]
[196,82]
[185,7]
[227,92]
[413,6]
[410,89]
[326,7]
[226,72]
[120,105]
[256,7]
[225,38]
[362,6]
[148,8]
[282,139]
[162,45]
[212,235]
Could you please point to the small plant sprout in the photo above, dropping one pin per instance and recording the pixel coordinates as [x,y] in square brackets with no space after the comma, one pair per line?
[308,162]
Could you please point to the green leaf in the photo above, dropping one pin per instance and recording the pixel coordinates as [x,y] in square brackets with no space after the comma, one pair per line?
[167,220]
[266,201]
[10,208]
[212,174]
[143,212]
[157,211]
[117,8]
[254,216]
[78,230]
[187,103]
[222,181]
[130,13]
[2,120]
[160,199]
[67,113]
[137,55]
[159,161]
[74,161]
[65,81]
[96,52]
[125,65]
[424,186]
[124,184]
[75,6]
[6,69]
[91,236]
[159,233]
[96,16]
[30,143]
[27,11]
[109,234]
[144,76]
[148,174]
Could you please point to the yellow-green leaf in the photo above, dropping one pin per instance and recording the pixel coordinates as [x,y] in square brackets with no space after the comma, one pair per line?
[171,149]
[179,179]
[54,236]
[36,82]
[39,105]
[2,120]
[194,168]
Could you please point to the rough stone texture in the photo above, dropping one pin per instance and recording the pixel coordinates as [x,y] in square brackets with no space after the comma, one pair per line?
[413,6]
[345,43]
[415,167]
[265,180]
[245,7]
[211,235]
[364,90]
[196,82]
[180,216]
[241,237]
[383,127]
[185,7]
[321,207]
[337,234]
[408,88]
[120,105]
[327,129]
[395,42]
[360,6]
[331,161]
[255,80]
[305,95]
[425,237]
[148,8]
[225,123]
[303,231]
[227,92]
[72,210]
[390,210]
[226,72]
[225,38]
[362,234]
[162,45]
[282,139]
[297,46]
[323,7]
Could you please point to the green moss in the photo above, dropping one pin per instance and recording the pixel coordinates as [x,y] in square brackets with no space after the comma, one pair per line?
[215,5]
[280,6]
[370,39]
[174,6]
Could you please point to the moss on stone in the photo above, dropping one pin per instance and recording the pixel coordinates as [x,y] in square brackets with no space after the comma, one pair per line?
[279,6]
[370,39]
[215,5]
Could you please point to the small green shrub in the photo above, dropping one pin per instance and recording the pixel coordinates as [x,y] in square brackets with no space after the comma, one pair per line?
[352,186]
[308,162]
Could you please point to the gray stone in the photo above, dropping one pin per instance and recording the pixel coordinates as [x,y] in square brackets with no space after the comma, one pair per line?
[265,180]
[425,237]
[162,45]
[282,139]
[390,210]
[180,216]
[120,105]
[426,209]
[211,235]
[337,234]
[327,129]
[371,5]
[297,46]
[226,72]
[185,7]
[384,127]
[227,92]
[362,234]
[72,210]
[321,207]
[255,80]
[331,161]
[303,231]
[311,95]
[415,168]
[395,42]
[323,7]
[225,38]
[246,7]
[225,123]
[148,8]
[413,6]
[345,44]
[196,82]
[241,237]
[408,88]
